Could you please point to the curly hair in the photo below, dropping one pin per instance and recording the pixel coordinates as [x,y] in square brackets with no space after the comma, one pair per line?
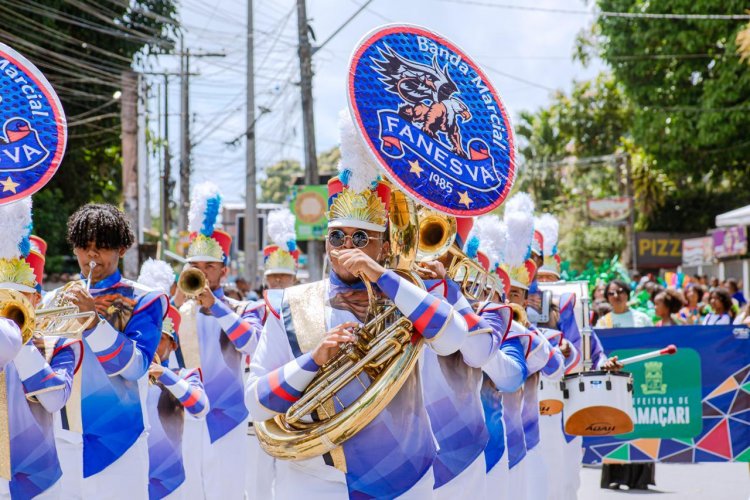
[102,224]
[673,299]
[723,295]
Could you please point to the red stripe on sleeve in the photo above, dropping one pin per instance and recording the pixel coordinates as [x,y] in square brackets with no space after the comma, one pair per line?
[273,381]
[421,323]
[106,357]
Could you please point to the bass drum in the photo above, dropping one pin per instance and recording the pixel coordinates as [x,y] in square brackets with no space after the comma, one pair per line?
[598,403]
[550,397]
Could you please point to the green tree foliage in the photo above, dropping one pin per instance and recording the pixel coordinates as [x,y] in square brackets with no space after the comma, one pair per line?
[279,177]
[82,47]
[691,96]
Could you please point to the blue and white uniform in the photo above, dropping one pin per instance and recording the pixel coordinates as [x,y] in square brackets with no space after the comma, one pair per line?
[216,448]
[452,386]
[174,393]
[394,454]
[101,432]
[36,385]
[505,374]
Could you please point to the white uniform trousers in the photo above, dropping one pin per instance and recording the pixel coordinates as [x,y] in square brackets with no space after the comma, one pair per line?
[292,483]
[535,473]
[261,470]
[572,460]
[54,492]
[552,447]
[517,481]
[496,484]
[468,484]
[126,478]
[214,470]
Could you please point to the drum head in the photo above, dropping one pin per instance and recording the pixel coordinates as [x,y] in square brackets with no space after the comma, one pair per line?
[550,406]
[598,421]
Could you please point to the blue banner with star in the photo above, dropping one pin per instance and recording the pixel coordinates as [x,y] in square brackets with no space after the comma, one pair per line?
[33,130]
[432,119]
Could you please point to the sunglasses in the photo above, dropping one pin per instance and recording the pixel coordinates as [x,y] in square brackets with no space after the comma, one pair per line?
[360,239]
[615,293]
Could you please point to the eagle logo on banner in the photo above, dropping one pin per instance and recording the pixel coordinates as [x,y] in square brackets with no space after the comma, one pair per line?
[432,119]
[33,131]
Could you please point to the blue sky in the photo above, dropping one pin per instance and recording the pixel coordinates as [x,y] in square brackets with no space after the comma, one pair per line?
[534,47]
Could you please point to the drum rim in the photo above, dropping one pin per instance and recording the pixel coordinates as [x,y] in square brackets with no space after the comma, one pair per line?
[597,373]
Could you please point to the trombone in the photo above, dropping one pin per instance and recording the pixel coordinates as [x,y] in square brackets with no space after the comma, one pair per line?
[437,232]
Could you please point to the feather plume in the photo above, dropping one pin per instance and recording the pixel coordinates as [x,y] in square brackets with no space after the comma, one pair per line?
[205,206]
[549,227]
[357,169]
[520,230]
[281,228]
[157,274]
[493,236]
[15,222]
[520,202]
[472,246]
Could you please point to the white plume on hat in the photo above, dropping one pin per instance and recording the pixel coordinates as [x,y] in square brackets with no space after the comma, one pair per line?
[15,224]
[357,168]
[205,205]
[520,202]
[156,274]
[493,237]
[549,227]
[520,231]
[281,228]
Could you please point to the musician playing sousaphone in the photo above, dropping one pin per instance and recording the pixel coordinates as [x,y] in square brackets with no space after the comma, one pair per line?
[100,434]
[37,379]
[391,455]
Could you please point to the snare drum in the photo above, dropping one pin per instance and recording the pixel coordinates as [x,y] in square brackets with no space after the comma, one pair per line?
[550,397]
[598,403]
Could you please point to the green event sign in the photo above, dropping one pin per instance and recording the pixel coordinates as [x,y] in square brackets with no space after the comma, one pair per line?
[667,395]
[309,205]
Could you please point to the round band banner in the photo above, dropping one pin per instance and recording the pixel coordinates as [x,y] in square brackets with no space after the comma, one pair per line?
[432,120]
[33,131]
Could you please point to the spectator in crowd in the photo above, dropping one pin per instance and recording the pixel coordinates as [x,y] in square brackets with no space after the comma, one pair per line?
[721,305]
[735,292]
[695,308]
[714,284]
[231,291]
[243,286]
[743,318]
[600,293]
[618,293]
[599,310]
[667,305]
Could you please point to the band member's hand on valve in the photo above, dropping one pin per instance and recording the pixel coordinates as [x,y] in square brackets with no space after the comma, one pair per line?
[206,298]
[358,263]
[155,370]
[432,270]
[329,346]
[81,298]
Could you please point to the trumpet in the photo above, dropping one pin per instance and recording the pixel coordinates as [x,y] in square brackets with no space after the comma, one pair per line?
[519,314]
[54,321]
[191,282]
[437,232]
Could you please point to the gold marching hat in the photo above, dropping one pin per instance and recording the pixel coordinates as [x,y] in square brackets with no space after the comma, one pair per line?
[283,256]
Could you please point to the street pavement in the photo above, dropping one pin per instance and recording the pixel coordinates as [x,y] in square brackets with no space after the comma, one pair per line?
[705,481]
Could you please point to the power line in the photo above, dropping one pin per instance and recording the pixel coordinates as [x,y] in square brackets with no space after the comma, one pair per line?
[627,15]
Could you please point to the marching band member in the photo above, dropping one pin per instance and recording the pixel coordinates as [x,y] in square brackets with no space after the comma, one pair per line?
[457,416]
[280,262]
[170,394]
[102,432]
[224,332]
[37,377]
[392,456]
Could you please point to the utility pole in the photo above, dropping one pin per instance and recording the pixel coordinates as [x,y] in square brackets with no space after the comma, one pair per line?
[251,209]
[314,248]
[166,174]
[129,120]
[184,135]
[630,228]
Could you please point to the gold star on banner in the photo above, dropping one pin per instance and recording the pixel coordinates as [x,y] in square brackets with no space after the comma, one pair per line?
[465,200]
[415,168]
[9,185]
